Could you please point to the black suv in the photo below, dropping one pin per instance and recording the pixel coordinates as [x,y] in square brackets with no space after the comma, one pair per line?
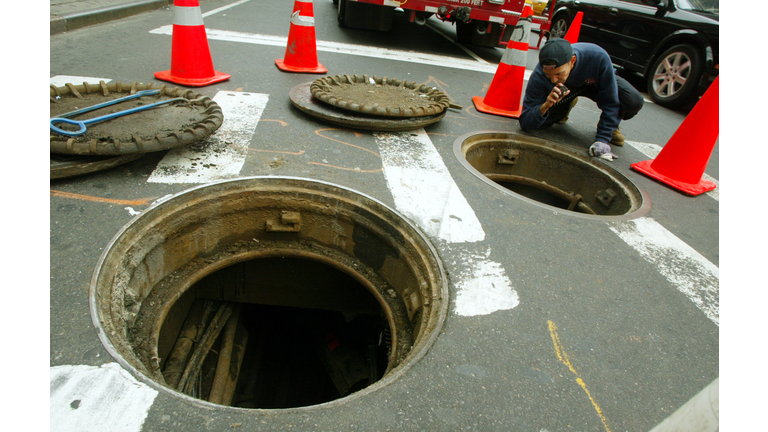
[672,43]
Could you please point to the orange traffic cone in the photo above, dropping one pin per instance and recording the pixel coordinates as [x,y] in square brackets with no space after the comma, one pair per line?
[682,161]
[191,63]
[301,52]
[572,35]
[506,90]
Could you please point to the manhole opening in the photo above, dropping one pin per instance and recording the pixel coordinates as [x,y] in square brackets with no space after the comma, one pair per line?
[304,333]
[562,200]
[549,174]
[338,294]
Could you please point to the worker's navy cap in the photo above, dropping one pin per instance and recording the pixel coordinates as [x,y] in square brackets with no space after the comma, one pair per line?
[555,53]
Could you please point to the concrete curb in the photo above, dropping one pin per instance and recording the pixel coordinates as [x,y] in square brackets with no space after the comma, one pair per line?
[76,20]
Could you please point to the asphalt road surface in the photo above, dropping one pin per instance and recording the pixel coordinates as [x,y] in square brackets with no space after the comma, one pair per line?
[555,321]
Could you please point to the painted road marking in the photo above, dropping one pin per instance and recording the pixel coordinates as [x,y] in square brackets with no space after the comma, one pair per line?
[423,188]
[563,357]
[652,150]
[349,49]
[223,154]
[90,398]
[223,8]
[483,286]
[686,269]
[60,80]
[425,192]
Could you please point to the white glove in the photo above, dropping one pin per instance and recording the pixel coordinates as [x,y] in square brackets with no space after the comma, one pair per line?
[602,150]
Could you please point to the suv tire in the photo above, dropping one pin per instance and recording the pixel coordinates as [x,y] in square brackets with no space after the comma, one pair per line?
[559,26]
[673,80]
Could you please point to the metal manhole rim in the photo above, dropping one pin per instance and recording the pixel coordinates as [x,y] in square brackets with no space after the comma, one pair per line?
[413,357]
[642,210]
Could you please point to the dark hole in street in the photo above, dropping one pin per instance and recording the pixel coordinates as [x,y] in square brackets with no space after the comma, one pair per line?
[307,333]
[549,173]
[269,293]
[536,194]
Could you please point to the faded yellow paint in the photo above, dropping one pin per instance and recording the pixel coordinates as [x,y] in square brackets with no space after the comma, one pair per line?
[563,357]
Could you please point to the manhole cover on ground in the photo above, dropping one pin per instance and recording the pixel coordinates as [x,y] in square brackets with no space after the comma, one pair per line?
[161,128]
[268,292]
[550,174]
[389,97]
[302,99]
[65,166]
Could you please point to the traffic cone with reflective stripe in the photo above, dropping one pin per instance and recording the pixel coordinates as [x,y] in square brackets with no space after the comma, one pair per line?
[191,63]
[572,35]
[681,163]
[301,52]
[506,90]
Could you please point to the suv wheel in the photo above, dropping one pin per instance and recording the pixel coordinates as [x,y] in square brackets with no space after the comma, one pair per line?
[674,77]
[559,26]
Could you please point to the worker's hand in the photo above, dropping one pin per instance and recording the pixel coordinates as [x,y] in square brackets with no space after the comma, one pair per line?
[557,93]
[602,150]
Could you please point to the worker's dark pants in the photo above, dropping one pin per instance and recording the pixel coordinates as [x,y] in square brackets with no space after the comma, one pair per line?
[630,99]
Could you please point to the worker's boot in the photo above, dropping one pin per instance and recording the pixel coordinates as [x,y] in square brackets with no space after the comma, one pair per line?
[573,104]
[617,138]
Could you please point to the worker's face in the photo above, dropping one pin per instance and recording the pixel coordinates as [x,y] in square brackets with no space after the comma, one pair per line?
[559,75]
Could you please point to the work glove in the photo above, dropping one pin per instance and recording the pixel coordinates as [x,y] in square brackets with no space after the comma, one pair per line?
[602,150]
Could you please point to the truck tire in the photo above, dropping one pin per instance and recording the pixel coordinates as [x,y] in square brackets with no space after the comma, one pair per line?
[476,32]
[341,12]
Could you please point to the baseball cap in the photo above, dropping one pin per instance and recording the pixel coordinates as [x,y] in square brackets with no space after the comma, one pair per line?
[555,53]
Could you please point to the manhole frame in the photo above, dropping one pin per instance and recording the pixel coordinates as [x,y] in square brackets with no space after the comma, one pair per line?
[642,210]
[414,355]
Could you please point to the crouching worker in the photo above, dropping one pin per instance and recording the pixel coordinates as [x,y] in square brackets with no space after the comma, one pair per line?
[566,71]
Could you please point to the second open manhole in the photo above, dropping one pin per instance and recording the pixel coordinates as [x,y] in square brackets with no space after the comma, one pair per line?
[549,174]
[268,293]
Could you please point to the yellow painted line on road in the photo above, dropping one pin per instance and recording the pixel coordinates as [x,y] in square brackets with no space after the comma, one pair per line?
[563,357]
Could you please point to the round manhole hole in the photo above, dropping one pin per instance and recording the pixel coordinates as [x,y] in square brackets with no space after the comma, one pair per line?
[268,293]
[552,175]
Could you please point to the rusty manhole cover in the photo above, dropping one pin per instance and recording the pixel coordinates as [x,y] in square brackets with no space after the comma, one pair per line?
[191,119]
[389,97]
[302,99]
[65,166]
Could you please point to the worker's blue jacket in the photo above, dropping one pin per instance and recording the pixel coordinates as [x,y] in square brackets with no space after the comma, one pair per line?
[593,69]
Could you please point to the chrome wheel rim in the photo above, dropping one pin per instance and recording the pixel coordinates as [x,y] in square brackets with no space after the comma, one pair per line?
[559,28]
[671,75]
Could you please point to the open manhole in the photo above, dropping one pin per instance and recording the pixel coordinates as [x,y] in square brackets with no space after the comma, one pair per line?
[546,173]
[268,293]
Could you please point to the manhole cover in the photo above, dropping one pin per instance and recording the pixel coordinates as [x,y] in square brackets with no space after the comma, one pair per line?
[65,166]
[380,96]
[546,173]
[302,99]
[168,126]
[268,293]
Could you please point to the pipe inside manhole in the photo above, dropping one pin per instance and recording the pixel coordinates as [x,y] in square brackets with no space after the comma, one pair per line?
[268,293]
[549,174]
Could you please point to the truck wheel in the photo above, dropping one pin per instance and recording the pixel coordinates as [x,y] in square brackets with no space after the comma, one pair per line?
[341,12]
[674,78]
[476,32]
[463,32]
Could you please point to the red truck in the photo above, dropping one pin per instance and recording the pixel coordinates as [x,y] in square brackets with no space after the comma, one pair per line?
[478,22]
